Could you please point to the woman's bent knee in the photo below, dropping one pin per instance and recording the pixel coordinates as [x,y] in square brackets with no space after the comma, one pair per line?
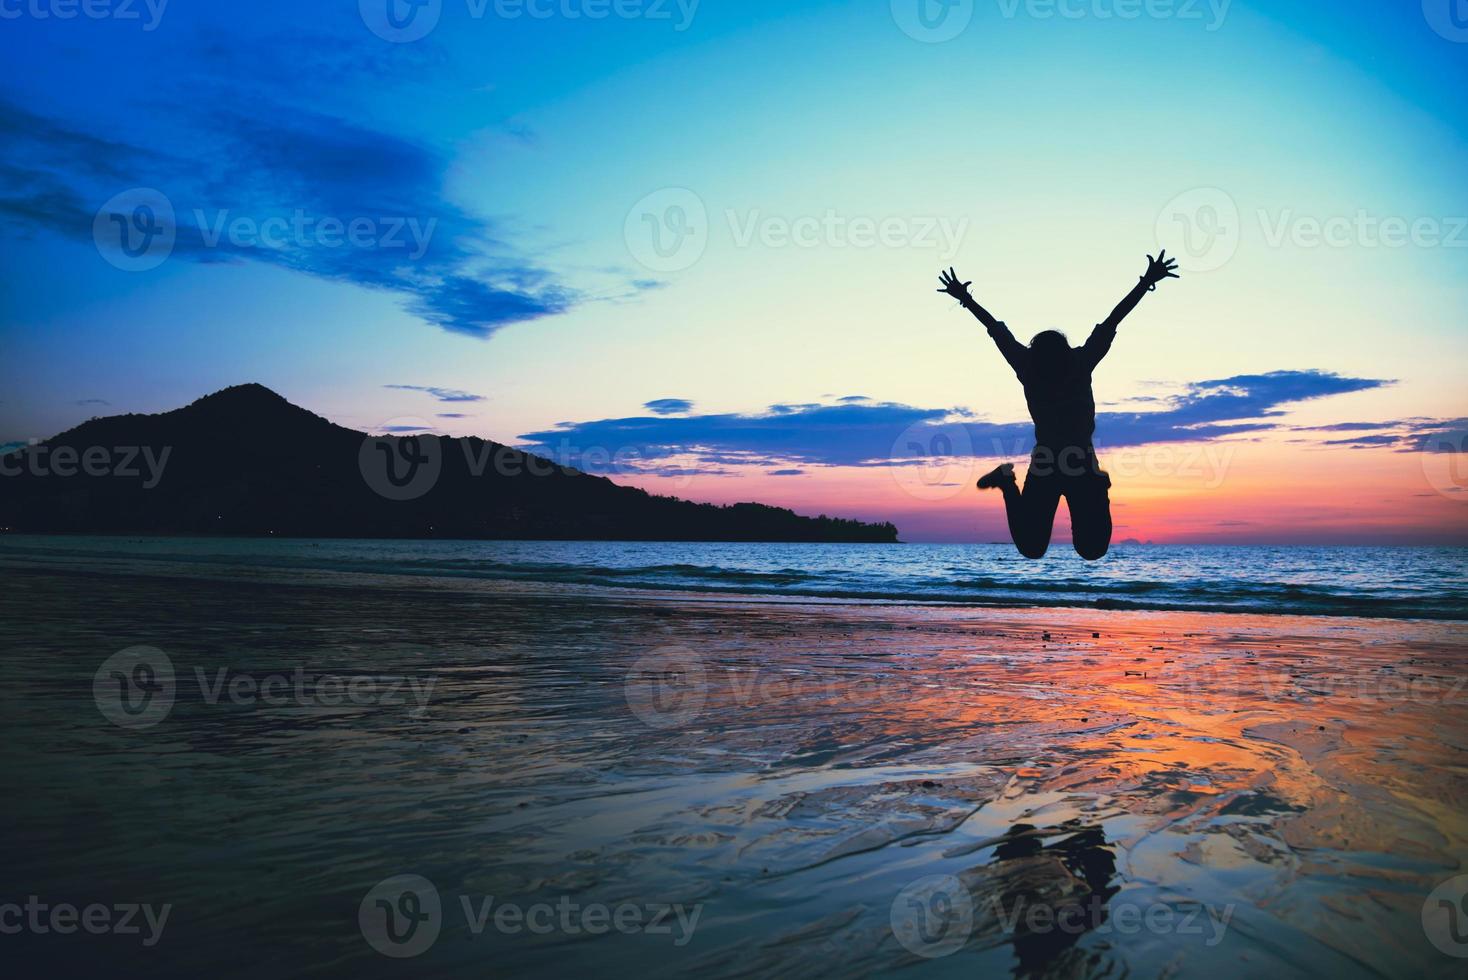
[1033,549]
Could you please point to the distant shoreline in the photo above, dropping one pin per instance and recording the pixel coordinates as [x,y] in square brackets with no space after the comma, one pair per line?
[185,535]
[196,535]
[551,581]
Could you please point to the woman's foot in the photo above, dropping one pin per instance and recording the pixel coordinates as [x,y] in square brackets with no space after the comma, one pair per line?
[997,477]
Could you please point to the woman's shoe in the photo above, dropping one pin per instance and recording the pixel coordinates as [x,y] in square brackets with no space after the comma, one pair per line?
[997,477]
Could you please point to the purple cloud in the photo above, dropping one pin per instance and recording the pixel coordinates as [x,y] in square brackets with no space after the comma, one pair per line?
[442,394]
[870,433]
[669,406]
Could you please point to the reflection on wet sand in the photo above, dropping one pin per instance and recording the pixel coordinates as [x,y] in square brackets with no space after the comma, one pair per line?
[1114,793]
[1085,859]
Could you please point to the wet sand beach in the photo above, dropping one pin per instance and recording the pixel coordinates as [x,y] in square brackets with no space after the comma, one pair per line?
[651,784]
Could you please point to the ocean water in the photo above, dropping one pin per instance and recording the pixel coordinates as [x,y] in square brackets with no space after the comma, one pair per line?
[1407,583]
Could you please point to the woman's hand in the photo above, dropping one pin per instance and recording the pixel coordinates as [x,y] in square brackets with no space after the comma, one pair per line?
[951,286]
[1159,269]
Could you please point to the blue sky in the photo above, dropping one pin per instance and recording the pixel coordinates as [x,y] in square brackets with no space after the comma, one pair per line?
[499,170]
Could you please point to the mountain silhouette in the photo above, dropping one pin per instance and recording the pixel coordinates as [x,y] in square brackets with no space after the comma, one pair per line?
[246,462]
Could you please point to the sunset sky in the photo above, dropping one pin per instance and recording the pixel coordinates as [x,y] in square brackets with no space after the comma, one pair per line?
[704,238]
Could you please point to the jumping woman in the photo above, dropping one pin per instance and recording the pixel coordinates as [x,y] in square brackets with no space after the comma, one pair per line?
[1057,383]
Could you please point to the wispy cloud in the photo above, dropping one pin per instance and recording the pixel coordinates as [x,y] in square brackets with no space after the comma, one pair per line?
[861,432]
[305,176]
[1346,427]
[442,394]
[1373,440]
[1416,435]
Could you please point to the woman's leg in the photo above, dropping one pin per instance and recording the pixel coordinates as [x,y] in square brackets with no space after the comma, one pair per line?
[1089,501]
[1031,513]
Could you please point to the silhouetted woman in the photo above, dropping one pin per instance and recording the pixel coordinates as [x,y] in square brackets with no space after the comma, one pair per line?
[1057,383]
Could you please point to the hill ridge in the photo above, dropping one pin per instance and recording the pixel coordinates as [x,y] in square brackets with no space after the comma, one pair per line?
[245,461]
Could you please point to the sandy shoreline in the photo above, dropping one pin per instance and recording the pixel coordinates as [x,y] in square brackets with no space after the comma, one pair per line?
[810,776]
